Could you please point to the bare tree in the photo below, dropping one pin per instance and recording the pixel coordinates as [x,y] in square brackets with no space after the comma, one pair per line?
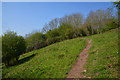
[98,19]
[51,25]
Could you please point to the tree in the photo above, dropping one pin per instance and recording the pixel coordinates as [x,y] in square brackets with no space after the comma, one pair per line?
[35,41]
[53,36]
[75,20]
[12,47]
[54,23]
[116,4]
[111,25]
[21,47]
[0,49]
[91,22]
[69,33]
[97,20]
[66,31]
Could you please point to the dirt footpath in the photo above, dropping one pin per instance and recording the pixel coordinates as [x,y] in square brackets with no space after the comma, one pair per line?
[78,66]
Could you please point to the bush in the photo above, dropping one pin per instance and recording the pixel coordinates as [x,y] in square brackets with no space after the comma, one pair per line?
[12,47]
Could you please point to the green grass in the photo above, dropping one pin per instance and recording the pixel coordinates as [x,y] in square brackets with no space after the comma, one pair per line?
[102,61]
[56,60]
[53,61]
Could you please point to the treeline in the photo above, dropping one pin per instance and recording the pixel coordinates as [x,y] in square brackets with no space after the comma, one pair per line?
[58,29]
[72,26]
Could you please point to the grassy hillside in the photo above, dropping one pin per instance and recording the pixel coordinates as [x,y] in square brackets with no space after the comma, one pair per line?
[53,61]
[102,61]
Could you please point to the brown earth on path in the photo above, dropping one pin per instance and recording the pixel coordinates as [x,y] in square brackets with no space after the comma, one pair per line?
[78,66]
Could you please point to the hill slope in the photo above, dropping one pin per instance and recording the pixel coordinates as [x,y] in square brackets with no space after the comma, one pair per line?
[102,61]
[53,61]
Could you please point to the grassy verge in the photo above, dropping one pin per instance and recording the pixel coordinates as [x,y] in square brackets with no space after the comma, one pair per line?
[102,61]
[53,61]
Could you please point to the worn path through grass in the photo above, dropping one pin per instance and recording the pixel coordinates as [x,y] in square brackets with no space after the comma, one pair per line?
[78,66]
